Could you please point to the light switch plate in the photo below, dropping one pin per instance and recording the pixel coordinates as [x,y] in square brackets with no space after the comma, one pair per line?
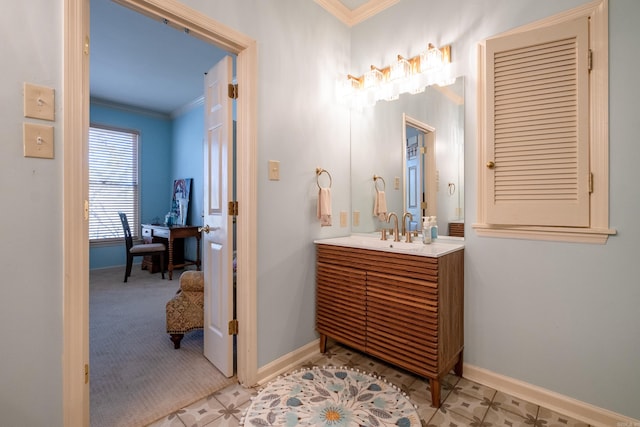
[274,170]
[39,102]
[37,140]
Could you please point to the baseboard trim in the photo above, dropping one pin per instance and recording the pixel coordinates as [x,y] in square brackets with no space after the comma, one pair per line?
[562,404]
[288,362]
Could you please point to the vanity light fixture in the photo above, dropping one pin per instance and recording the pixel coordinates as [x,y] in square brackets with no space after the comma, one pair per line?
[405,75]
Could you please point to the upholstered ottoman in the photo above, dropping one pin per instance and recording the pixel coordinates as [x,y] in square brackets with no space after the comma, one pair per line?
[185,311]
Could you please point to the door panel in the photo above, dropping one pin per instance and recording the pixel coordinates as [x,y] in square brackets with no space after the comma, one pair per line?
[217,237]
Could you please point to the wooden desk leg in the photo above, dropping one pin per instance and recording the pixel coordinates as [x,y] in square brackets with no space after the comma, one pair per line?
[198,252]
[170,266]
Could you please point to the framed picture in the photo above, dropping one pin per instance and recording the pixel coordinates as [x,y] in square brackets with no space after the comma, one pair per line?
[180,200]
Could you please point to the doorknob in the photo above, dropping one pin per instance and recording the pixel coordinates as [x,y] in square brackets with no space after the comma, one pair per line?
[491,165]
[207,229]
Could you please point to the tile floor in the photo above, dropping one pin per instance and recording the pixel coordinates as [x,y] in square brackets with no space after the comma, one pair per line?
[465,403]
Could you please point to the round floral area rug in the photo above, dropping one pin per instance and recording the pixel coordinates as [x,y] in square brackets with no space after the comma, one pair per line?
[331,397]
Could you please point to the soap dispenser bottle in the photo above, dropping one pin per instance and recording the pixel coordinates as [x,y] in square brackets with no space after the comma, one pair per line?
[434,228]
[426,230]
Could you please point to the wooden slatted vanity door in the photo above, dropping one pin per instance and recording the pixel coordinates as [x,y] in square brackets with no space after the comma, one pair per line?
[403,313]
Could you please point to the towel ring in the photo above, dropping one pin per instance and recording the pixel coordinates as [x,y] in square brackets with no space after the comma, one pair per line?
[375,182]
[320,171]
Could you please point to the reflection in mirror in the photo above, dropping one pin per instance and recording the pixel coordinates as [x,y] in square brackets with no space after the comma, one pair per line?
[379,138]
[419,171]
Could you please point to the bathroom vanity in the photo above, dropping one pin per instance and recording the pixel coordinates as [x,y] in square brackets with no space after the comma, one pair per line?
[400,302]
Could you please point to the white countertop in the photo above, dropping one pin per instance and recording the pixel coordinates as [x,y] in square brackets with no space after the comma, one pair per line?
[437,248]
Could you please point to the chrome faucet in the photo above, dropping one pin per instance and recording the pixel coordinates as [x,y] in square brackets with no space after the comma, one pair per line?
[396,235]
[405,231]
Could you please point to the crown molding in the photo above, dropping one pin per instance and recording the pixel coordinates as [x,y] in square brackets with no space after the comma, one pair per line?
[361,13]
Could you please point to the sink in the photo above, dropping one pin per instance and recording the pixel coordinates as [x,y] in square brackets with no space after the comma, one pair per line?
[434,249]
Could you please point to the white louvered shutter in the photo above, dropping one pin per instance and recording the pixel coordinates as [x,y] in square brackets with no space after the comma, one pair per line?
[538,126]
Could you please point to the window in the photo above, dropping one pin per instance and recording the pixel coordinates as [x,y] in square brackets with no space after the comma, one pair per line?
[543,129]
[113,183]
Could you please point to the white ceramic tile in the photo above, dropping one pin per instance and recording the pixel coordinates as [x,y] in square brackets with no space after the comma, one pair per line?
[171,420]
[474,389]
[464,403]
[517,406]
[501,418]
[553,419]
[235,395]
[448,419]
[201,412]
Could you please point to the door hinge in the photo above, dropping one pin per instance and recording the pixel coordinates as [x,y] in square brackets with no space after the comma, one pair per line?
[590,60]
[423,205]
[423,150]
[591,182]
[233,208]
[233,327]
[86,373]
[85,48]
[86,210]
[233,91]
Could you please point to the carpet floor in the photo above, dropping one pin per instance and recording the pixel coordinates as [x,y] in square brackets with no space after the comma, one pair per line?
[136,375]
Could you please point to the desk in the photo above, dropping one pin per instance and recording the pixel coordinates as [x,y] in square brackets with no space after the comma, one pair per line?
[165,234]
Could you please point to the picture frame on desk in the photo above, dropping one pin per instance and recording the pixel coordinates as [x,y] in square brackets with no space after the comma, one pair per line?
[180,200]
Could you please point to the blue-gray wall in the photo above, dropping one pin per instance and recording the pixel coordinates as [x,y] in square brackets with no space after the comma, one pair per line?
[155,162]
[170,148]
[561,316]
[187,162]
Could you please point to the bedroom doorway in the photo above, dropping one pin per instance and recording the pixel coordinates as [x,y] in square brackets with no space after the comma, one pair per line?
[76,396]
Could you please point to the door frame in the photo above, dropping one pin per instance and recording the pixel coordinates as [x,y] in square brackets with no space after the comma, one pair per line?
[75,309]
[428,179]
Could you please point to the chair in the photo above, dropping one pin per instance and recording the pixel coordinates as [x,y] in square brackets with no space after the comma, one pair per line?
[185,311]
[153,249]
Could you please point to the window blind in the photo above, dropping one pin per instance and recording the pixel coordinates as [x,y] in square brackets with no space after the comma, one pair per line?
[113,182]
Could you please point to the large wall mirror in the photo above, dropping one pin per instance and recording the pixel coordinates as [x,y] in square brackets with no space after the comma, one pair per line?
[416,145]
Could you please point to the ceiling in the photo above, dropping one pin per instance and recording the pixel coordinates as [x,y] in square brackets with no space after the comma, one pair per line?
[142,63]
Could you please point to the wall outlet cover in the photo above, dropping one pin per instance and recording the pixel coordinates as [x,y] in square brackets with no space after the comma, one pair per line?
[356,218]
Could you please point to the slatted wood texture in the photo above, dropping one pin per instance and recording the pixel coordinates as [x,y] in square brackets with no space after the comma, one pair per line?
[407,308]
[417,267]
[456,229]
[402,322]
[340,304]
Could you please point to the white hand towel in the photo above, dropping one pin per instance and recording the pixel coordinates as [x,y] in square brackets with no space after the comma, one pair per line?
[380,206]
[324,207]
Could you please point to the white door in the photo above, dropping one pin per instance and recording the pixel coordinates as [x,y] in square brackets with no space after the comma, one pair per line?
[217,236]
